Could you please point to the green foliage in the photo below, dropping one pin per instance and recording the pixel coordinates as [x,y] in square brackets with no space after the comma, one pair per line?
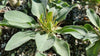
[59,4]
[37,8]
[46,29]
[61,47]
[60,14]
[47,23]
[1,6]
[44,42]
[94,50]
[63,12]
[18,39]
[78,32]
[17,19]
[85,33]
[17,16]
[4,2]
[93,17]
[88,27]
[95,20]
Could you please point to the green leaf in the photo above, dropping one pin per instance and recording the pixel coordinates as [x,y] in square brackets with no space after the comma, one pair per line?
[17,16]
[18,39]
[1,6]
[54,10]
[4,23]
[16,24]
[61,47]
[37,8]
[20,25]
[94,18]
[92,37]
[49,17]
[44,2]
[63,12]
[94,50]
[19,19]
[4,2]
[78,32]
[88,27]
[66,30]
[44,42]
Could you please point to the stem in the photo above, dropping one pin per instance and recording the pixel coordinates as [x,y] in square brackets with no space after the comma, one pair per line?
[96,32]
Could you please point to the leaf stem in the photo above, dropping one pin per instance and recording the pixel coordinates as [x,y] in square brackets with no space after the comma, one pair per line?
[96,32]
